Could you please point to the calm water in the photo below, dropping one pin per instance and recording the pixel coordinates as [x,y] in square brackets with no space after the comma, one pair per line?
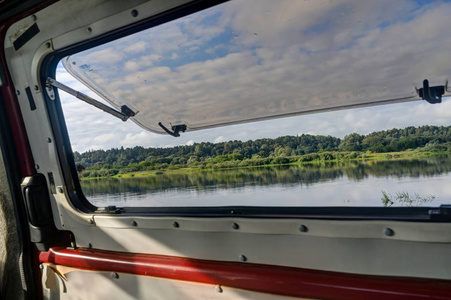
[352,184]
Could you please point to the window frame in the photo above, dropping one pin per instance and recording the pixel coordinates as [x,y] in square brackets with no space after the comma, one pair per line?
[75,193]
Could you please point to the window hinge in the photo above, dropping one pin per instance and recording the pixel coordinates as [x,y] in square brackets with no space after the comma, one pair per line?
[432,94]
[124,114]
[175,129]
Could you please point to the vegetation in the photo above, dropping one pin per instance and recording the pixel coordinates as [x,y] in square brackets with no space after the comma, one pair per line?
[288,175]
[405,199]
[304,149]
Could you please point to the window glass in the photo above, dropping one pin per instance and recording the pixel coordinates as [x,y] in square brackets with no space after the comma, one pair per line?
[252,60]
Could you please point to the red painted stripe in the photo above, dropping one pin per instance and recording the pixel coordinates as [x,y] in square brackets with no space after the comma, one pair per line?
[256,277]
[22,146]
[23,149]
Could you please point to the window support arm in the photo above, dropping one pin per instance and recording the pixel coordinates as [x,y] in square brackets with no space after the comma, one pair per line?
[124,114]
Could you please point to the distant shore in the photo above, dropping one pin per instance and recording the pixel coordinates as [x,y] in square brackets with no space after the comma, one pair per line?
[320,159]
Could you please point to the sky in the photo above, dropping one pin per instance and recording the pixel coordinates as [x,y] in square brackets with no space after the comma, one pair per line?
[229,63]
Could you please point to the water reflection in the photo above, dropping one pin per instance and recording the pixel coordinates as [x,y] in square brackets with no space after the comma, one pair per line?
[331,177]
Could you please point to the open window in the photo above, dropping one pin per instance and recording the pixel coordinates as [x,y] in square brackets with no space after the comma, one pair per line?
[244,61]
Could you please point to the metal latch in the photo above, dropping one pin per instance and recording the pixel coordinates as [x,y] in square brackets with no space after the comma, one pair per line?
[175,129]
[432,94]
[443,213]
[124,114]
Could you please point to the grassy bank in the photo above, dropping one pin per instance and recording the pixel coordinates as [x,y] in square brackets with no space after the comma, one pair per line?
[222,163]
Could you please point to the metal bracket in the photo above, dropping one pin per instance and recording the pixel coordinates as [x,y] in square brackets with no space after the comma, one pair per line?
[50,92]
[112,209]
[443,213]
[175,129]
[432,94]
[125,113]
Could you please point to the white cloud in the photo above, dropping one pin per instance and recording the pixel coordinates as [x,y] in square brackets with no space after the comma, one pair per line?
[219,139]
[133,139]
[131,66]
[106,56]
[137,47]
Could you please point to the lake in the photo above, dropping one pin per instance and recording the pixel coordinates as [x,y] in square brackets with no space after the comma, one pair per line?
[334,184]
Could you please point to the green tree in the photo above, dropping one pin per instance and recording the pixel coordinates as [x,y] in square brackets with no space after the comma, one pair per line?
[351,142]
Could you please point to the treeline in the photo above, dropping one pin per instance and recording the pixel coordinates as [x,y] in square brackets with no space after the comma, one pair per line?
[280,150]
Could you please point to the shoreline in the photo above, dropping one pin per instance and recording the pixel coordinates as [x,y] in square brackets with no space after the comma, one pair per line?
[320,160]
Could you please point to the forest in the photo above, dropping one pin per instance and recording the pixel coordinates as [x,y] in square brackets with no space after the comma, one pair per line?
[282,150]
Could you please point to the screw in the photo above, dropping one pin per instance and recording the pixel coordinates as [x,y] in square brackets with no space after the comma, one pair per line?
[243,258]
[176,225]
[235,226]
[34,18]
[60,190]
[303,228]
[36,88]
[89,29]
[37,167]
[17,92]
[49,140]
[218,288]
[389,232]
[134,13]
[134,224]
[114,275]
[89,245]
[47,45]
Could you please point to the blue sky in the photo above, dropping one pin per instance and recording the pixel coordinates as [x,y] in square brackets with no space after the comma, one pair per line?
[206,68]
